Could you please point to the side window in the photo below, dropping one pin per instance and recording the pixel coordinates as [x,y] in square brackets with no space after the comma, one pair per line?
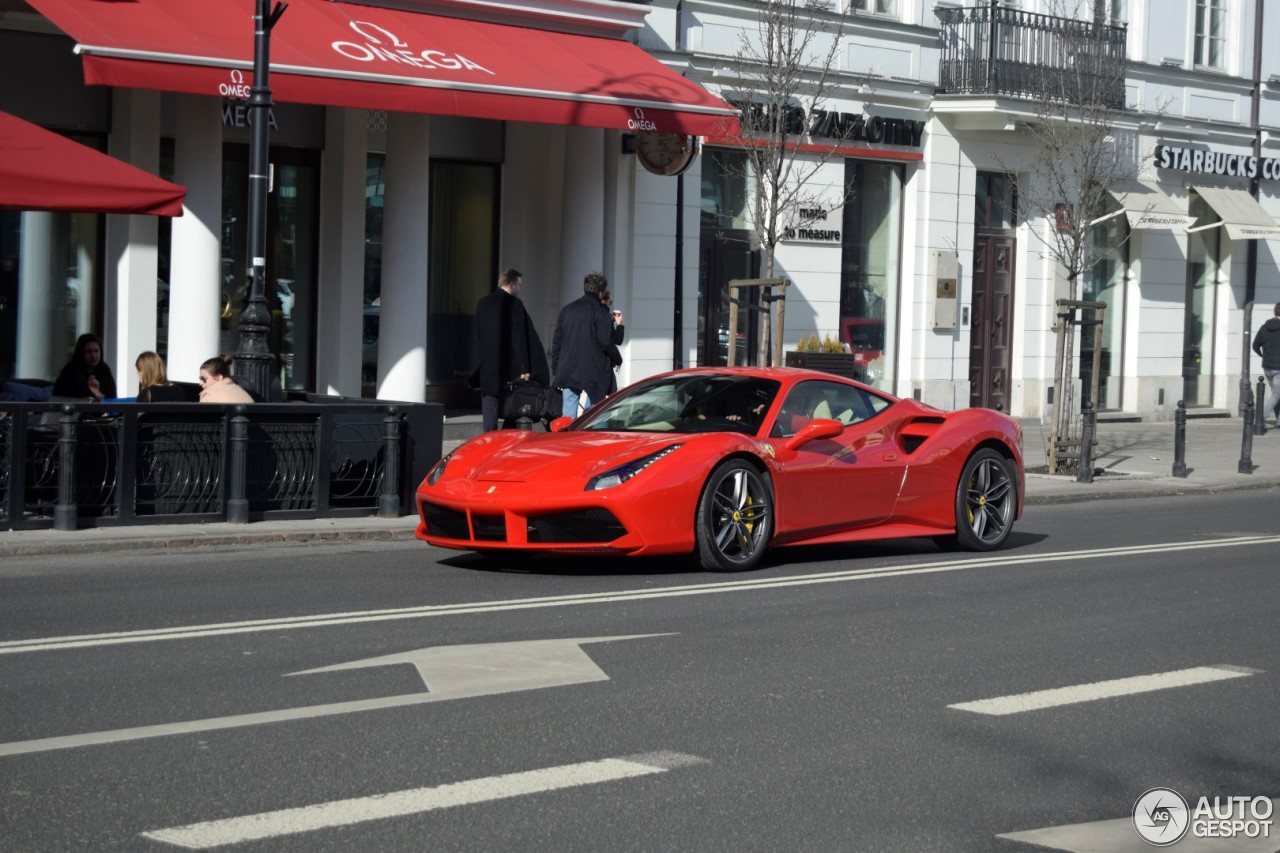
[813,400]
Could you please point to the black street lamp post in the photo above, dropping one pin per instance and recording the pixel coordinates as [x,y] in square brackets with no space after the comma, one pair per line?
[253,359]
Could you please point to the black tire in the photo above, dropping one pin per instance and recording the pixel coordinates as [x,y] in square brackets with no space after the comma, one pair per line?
[735,518]
[986,501]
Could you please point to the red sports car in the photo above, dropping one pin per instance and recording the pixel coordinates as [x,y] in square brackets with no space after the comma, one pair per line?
[726,462]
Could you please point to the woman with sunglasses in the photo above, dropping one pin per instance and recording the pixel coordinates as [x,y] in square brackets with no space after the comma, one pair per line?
[216,384]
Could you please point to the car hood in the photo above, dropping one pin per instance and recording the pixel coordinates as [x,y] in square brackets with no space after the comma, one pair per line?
[511,456]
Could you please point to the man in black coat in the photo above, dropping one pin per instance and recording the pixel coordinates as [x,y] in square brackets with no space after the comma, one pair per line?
[509,346]
[1267,344]
[580,350]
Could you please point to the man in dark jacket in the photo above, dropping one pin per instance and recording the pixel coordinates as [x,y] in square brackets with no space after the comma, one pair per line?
[509,346]
[581,346]
[1267,344]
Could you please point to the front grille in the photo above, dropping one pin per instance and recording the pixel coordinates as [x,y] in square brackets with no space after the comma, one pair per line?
[444,522]
[490,528]
[589,525]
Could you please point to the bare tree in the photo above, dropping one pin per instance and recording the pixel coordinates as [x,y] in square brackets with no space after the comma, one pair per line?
[1079,153]
[1070,66]
[786,70]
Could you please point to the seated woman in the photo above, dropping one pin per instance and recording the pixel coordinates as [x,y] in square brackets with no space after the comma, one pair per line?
[153,385]
[86,374]
[217,386]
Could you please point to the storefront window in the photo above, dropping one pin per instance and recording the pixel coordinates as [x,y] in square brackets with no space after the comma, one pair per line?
[869,265]
[1104,282]
[375,191]
[164,246]
[726,253]
[724,189]
[463,264]
[50,287]
[290,286]
[1197,337]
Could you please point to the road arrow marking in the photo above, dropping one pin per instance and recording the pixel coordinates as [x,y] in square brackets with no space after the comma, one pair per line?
[1018,703]
[455,672]
[338,813]
[449,672]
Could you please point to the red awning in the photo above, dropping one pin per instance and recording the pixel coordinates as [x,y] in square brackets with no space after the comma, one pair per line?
[41,170]
[369,57]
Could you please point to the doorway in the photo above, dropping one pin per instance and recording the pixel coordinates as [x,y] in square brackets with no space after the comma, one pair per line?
[995,244]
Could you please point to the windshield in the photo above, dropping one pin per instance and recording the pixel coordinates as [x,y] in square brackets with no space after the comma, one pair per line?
[683,403]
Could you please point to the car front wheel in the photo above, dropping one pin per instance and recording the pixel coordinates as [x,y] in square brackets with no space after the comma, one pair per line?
[735,518]
[986,501]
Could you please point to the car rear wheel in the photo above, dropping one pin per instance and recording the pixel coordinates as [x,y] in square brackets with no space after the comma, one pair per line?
[986,501]
[735,518]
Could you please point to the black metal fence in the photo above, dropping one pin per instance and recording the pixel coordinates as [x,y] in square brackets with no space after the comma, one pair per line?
[69,465]
[994,50]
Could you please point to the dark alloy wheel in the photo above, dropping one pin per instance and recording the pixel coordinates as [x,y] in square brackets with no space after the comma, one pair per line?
[986,501]
[735,518]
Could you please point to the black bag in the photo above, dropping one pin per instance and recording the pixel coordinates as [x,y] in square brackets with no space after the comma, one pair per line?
[526,398]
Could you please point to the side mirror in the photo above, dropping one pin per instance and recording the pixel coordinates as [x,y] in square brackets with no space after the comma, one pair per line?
[814,431]
[560,423]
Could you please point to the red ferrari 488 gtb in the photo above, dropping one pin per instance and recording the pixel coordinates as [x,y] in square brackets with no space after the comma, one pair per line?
[725,463]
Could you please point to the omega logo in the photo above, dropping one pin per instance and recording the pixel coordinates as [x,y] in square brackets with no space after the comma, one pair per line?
[382,45]
[236,88]
[640,122]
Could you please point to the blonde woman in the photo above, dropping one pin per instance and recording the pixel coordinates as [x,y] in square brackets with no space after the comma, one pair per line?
[153,384]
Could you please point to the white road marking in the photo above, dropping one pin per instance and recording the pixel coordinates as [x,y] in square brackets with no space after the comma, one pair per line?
[1040,699]
[339,813]
[294,623]
[449,672]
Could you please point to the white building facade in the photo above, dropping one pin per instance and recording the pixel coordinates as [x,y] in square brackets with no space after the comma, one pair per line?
[386,225]
[1176,291]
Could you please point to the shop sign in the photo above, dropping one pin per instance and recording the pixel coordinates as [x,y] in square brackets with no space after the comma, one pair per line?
[843,127]
[382,45]
[817,225]
[852,127]
[1216,162]
[235,109]
[238,114]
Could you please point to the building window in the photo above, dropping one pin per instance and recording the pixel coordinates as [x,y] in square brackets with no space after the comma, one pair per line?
[1211,33]
[293,218]
[724,188]
[1199,316]
[1110,11]
[877,7]
[375,190]
[869,265]
[51,279]
[1104,281]
[463,264]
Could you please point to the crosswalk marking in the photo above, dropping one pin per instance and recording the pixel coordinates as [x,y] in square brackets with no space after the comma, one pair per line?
[1020,702]
[217,833]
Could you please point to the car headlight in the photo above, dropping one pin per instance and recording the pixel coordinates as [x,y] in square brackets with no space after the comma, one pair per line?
[437,472]
[618,476]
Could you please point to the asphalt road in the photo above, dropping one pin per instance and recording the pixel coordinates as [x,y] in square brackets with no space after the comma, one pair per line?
[643,706]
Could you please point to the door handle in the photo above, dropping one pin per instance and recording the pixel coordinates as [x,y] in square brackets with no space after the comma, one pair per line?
[890,457]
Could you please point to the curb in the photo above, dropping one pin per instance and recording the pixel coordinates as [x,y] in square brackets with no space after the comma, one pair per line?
[46,548]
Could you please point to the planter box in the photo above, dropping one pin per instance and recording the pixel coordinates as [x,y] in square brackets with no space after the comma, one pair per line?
[839,363]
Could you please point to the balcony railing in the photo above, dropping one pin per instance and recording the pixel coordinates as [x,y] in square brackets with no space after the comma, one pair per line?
[993,50]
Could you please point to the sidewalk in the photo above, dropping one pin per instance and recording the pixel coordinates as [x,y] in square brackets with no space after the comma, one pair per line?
[1135,460]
